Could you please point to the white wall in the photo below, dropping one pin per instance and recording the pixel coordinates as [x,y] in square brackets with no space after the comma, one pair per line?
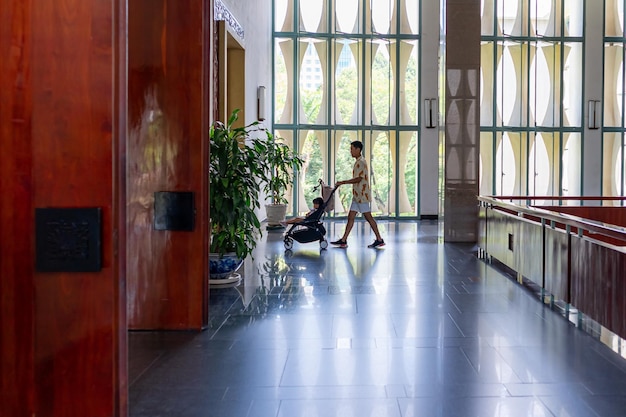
[255,18]
[429,156]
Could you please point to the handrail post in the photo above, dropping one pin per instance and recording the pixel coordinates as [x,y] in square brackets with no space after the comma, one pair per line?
[568,291]
[543,257]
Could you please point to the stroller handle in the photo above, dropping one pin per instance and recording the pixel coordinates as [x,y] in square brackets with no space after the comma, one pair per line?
[321,184]
[328,198]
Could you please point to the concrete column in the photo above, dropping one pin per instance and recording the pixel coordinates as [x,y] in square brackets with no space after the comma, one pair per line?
[462,119]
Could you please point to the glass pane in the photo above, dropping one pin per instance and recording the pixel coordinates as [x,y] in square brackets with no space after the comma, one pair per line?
[543,18]
[286,136]
[408,83]
[486,164]
[510,14]
[347,98]
[613,165]
[382,86]
[572,164]
[409,19]
[381,13]
[283,81]
[348,16]
[511,164]
[377,152]
[519,142]
[408,176]
[314,151]
[313,80]
[574,12]
[614,17]
[543,166]
[613,84]
[342,167]
[283,15]
[511,102]
[313,16]
[544,80]
[573,84]
[486,21]
[486,84]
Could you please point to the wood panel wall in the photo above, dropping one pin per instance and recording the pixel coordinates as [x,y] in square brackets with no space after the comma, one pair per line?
[62,125]
[169,70]
[16,240]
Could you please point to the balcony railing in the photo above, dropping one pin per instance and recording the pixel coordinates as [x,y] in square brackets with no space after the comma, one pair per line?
[573,248]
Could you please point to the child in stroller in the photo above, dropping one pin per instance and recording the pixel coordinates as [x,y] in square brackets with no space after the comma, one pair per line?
[317,202]
[309,228]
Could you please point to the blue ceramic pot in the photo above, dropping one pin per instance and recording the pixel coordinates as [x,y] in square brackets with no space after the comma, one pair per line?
[224,267]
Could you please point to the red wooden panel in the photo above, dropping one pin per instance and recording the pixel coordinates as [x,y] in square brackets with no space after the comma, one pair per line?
[16,225]
[610,215]
[119,209]
[77,314]
[605,214]
[167,151]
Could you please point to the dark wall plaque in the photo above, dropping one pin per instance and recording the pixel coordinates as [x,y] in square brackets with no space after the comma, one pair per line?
[174,210]
[68,239]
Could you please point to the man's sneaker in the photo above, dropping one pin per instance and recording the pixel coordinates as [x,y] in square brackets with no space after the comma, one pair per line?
[340,242]
[377,244]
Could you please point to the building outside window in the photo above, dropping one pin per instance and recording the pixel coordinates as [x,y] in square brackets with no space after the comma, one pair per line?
[613,144]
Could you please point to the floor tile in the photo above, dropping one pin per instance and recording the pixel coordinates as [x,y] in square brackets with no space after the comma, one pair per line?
[340,408]
[418,328]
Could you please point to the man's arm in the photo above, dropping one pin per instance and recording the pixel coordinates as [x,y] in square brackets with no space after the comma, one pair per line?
[354,180]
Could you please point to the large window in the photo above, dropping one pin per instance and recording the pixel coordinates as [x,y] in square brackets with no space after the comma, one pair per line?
[531,98]
[614,127]
[343,71]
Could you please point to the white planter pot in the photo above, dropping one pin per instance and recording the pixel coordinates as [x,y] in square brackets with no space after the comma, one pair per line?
[275,213]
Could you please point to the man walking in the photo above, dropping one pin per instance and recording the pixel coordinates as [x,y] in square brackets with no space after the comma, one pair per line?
[361,197]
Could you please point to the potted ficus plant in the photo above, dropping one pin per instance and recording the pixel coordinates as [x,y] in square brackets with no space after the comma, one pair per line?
[282,165]
[236,167]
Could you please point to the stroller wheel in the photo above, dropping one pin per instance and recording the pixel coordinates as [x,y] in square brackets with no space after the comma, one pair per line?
[288,243]
[323,244]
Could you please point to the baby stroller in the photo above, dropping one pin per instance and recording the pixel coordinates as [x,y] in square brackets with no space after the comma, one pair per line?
[312,229]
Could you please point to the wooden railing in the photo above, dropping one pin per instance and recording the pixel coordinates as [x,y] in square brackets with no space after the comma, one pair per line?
[575,253]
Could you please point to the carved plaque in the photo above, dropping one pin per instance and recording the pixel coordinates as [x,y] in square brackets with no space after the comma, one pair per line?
[68,239]
[174,210]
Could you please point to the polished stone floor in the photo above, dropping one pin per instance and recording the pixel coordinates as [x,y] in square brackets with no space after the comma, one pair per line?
[417,328]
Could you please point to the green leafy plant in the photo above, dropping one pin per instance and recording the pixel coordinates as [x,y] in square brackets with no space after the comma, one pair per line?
[281,164]
[235,168]
[241,159]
